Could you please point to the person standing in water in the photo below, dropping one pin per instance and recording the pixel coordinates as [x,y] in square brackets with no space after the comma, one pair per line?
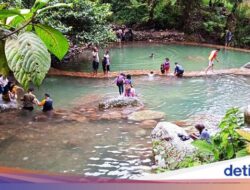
[120,79]
[167,65]
[29,99]
[106,63]
[212,57]
[95,63]
[47,103]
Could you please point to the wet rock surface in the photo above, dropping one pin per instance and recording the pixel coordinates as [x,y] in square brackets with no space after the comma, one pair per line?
[168,148]
[119,102]
[146,115]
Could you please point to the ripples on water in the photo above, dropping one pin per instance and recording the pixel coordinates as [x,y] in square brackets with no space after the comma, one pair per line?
[113,149]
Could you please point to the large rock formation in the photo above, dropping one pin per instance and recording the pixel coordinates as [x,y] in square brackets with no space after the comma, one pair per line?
[168,148]
[119,102]
[146,115]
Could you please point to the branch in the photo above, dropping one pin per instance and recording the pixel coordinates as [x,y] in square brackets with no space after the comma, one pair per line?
[18,29]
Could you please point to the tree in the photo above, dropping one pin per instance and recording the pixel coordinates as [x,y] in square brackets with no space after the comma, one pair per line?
[86,22]
[25,43]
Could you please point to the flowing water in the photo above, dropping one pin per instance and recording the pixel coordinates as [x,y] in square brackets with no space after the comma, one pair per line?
[118,149]
[135,56]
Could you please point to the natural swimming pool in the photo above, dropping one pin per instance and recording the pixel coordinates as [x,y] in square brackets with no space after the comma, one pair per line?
[111,148]
[135,56]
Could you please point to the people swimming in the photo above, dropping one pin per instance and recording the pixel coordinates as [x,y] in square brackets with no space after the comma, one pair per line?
[151,75]
[213,56]
[178,71]
[152,55]
[46,103]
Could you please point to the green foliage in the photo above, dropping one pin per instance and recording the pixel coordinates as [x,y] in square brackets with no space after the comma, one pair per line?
[86,22]
[27,54]
[28,58]
[227,143]
[242,30]
[56,43]
[4,69]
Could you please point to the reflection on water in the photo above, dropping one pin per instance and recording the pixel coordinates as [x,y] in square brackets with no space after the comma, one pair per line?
[105,148]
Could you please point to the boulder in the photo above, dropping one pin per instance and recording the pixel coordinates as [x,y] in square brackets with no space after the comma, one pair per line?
[168,148]
[247,115]
[119,102]
[146,115]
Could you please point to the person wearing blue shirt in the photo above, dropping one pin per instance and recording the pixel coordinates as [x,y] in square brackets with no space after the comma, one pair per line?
[178,71]
[203,133]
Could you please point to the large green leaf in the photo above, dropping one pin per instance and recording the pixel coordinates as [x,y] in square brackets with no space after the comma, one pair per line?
[4,69]
[7,13]
[28,58]
[53,39]
[203,146]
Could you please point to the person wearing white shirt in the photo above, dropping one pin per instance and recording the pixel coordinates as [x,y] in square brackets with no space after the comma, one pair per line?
[95,62]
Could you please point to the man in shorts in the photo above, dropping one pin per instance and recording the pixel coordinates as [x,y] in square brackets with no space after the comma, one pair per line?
[212,57]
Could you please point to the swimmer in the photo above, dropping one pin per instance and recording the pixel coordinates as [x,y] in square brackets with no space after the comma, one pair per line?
[151,75]
[152,55]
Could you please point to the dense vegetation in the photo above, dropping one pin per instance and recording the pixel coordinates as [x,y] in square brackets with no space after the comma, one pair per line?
[207,19]
[91,21]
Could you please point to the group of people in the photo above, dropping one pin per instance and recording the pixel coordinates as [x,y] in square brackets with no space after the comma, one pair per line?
[105,62]
[165,68]
[8,90]
[124,84]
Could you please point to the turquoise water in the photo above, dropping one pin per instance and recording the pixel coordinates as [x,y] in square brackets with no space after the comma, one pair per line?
[178,98]
[116,149]
[135,56]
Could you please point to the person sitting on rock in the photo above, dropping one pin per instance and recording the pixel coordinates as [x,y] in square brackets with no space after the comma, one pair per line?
[47,103]
[203,133]
[178,71]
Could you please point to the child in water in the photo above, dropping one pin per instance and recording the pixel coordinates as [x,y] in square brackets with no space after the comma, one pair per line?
[151,75]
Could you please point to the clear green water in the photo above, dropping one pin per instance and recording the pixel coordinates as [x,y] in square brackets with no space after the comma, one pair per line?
[120,149]
[136,57]
[178,98]
[117,149]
